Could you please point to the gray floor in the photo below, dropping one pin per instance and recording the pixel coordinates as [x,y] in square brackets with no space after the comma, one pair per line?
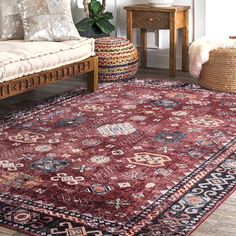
[221,223]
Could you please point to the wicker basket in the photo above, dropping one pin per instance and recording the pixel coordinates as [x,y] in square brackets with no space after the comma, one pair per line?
[219,73]
[117,58]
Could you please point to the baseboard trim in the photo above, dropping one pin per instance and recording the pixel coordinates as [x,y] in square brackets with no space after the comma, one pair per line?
[159,58]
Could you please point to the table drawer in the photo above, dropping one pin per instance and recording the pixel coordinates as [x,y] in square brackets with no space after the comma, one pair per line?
[151,20]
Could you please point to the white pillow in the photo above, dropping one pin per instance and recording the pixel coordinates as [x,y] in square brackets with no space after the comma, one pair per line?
[47,20]
[11,25]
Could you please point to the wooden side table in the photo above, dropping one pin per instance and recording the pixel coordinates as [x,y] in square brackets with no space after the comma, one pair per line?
[146,17]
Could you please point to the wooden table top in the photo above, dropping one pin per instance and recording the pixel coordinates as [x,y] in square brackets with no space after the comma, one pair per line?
[147,7]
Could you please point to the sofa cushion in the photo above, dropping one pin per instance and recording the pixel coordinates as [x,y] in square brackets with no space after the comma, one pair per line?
[19,58]
[10,19]
[47,20]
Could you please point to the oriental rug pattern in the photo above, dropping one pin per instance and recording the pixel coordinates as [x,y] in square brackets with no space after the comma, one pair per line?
[143,157]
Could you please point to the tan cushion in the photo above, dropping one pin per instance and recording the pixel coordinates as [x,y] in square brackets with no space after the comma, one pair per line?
[19,58]
[11,24]
[47,20]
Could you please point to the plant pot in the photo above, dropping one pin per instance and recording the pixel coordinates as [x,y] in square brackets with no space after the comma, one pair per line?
[161,3]
[93,32]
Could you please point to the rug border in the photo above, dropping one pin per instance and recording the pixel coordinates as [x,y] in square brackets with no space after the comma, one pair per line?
[212,211]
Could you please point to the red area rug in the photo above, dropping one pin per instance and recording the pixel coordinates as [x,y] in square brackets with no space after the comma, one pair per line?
[134,158]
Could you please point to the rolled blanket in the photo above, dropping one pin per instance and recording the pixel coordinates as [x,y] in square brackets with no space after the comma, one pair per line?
[200,49]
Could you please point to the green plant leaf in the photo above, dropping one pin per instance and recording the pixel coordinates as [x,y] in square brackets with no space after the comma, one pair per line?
[95,8]
[108,15]
[105,26]
[84,24]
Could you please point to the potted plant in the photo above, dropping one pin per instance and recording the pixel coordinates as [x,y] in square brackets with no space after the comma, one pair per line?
[96,23]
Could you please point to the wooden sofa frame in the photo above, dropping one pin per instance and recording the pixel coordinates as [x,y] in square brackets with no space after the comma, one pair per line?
[30,82]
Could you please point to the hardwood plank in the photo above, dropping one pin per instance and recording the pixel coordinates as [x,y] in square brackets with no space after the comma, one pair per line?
[9,232]
[222,222]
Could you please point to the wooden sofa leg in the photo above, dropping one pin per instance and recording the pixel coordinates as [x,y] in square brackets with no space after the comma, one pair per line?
[92,82]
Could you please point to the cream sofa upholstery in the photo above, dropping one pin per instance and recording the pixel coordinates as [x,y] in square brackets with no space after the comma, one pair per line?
[19,58]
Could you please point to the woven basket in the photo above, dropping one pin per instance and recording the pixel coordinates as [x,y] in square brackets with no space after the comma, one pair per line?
[219,73]
[117,58]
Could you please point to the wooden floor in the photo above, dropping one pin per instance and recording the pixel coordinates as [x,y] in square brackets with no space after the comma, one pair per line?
[221,223]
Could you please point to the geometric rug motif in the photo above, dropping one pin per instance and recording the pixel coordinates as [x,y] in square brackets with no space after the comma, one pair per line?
[143,157]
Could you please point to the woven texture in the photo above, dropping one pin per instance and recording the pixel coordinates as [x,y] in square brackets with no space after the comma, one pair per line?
[219,73]
[117,58]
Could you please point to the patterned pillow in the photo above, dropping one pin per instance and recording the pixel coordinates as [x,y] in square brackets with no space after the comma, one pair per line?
[47,20]
[11,24]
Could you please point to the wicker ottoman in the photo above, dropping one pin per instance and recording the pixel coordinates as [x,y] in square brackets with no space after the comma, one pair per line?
[117,58]
[219,73]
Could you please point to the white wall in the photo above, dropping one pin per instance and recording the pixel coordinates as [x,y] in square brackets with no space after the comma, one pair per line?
[200,18]
[0,24]
[220,22]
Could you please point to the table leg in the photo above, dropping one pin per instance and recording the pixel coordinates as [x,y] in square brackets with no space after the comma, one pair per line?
[172,55]
[130,26]
[144,47]
[185,42]
[92,80]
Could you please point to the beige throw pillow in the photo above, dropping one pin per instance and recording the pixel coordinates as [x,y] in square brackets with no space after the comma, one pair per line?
[47,20]
[11,24]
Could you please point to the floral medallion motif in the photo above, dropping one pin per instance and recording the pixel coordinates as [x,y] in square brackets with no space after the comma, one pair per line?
[21,216]
[68,179]
[95,108]
[48,164]
[26,137]
[70,122]
[164,172]
[138,118]
[195,153]
[100,159]
[43,148]
[91,142]
[194,200]
[205,121]
[10,166]
[99,189]
[170,137]
[166,103]
[116,129]
[128,107]
[149,159]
